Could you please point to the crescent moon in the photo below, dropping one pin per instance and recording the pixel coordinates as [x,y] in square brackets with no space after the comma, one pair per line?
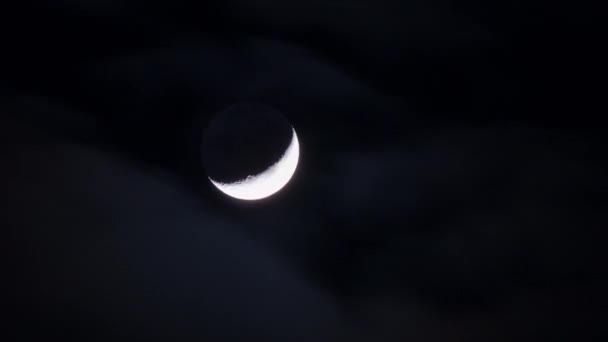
[269,182]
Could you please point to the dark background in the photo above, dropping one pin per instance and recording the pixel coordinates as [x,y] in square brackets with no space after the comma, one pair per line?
[452,183]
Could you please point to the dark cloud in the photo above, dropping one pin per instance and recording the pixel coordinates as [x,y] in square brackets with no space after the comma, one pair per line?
[469,228]
[112,250]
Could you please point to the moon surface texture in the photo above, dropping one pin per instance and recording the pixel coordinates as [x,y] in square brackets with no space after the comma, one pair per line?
[250,152]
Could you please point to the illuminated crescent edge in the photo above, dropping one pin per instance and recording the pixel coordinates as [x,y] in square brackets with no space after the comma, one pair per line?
[268,182]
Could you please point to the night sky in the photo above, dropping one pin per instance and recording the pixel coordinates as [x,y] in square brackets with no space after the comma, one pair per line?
[452,183]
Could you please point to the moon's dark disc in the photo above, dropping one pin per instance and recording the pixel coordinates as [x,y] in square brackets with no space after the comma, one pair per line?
[244,140]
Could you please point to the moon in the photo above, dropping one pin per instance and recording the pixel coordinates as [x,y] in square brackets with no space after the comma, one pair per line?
[269,182]
[250,151]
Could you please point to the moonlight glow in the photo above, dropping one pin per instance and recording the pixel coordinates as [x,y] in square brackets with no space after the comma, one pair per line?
[268,182]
